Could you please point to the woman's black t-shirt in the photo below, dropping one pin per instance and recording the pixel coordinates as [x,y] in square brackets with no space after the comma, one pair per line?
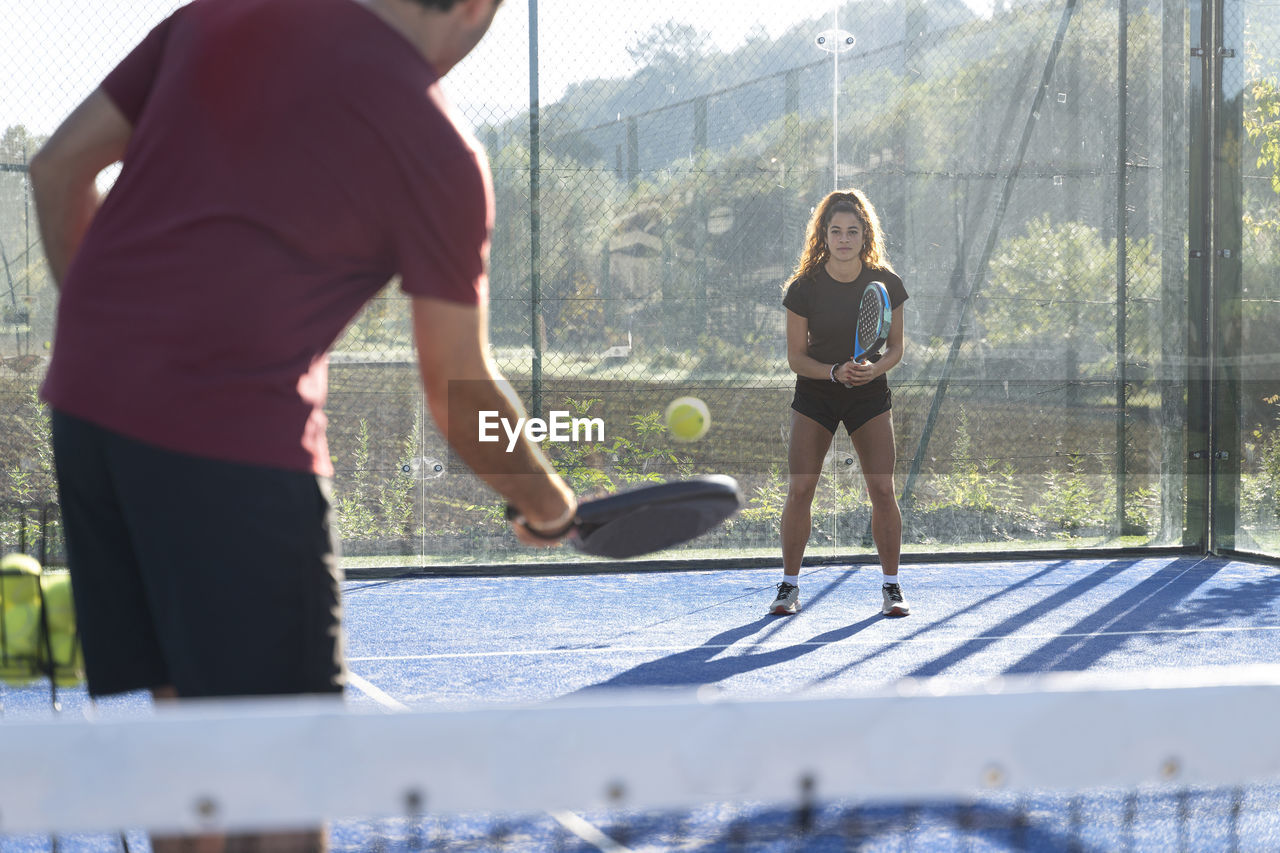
[831,307]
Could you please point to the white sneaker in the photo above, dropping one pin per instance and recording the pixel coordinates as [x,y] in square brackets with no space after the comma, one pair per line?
[893,603]
[788,601]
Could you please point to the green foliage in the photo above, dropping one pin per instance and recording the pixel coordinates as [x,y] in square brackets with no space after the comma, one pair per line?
[840,496]
[29,480]
[1262,125]
[620,460]
[1261,115]
[844,493]
[1058,271]
[764,505]
[1262,128]
[1260,485]
[972,483]
[396,493]
[577,215]
[30,475]
[356,519]
[371,505]
[1069,503]
[669,44]
[1142,510]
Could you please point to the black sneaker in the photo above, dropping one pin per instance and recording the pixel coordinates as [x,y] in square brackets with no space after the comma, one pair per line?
[893,603]
[788,600]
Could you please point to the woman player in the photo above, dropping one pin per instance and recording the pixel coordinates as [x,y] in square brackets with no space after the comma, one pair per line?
[844,252]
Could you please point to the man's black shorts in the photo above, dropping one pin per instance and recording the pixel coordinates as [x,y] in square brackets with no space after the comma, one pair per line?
[831,410]
[215,578]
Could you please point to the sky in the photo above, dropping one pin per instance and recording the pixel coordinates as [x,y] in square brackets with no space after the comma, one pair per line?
[54,52]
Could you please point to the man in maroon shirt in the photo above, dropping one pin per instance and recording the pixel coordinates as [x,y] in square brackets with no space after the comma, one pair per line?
[282,160]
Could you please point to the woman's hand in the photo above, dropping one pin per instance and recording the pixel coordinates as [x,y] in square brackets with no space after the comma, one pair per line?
[855,373]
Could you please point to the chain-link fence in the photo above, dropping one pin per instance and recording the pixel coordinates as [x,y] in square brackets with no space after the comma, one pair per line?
[1033,166]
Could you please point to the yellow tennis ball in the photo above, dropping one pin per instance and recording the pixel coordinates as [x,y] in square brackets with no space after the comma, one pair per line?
[19,579]
[59,607]
[688,419]
[21,635]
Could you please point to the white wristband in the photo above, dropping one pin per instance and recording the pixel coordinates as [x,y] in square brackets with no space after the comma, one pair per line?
[833,373]
[557,526]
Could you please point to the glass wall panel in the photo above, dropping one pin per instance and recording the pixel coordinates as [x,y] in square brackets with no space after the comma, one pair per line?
[1252,78]
[1030,165]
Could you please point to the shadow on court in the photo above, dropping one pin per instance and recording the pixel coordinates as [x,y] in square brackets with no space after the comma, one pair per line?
[1243,601]
[1089,639]
[532,639]
[708,663]
[1152,604]
[1077,615]
[945,621]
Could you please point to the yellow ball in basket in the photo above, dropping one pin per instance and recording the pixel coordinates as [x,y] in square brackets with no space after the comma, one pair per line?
[60,613]
[19,578]
[59,607]
[68,660]
[688,419]
[20,589]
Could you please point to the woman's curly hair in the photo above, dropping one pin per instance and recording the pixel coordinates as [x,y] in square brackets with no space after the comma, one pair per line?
[816,252]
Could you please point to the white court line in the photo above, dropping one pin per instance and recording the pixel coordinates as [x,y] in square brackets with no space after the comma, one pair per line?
[576,824]
[375,692]
[588,832]
[849,641]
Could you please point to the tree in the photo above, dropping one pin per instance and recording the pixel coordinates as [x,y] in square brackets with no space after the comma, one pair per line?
[1053,292]
[669,44]
[1262,128]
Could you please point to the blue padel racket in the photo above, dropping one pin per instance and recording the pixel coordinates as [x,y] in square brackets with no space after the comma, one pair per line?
[875,316]
[649,518]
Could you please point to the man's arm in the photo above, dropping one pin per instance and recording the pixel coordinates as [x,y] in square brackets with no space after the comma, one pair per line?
[461,381]
[64,174]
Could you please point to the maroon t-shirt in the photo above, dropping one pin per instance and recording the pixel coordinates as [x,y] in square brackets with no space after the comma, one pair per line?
[288,157]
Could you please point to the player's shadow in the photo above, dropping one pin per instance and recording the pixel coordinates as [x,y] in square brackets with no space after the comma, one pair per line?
[716,660]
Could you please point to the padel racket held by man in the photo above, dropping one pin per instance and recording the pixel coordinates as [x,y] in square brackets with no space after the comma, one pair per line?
[875,316]
[649,518]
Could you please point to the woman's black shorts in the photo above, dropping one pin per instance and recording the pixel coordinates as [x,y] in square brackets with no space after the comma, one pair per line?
[831,410]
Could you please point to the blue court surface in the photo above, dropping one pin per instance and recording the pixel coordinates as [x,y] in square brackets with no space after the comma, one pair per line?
[431,642]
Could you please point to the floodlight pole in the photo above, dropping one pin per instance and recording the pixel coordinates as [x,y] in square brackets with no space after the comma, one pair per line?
[835,102]
[836,41]
[1122,263]
[535,219]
